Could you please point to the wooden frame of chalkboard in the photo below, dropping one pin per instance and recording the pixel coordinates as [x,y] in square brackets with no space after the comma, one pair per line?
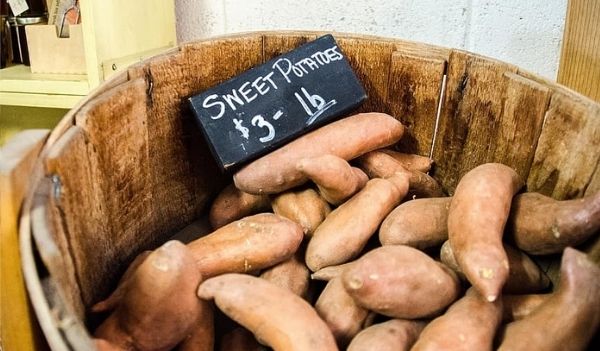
[269,105]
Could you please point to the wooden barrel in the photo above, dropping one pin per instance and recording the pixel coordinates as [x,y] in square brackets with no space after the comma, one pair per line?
[127,168]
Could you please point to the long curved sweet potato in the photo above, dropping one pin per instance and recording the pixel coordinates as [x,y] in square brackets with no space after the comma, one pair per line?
[251,243]
[160,308]
[401,282]
[232,204]
[291,274]
[274,315]
[392,335]
[476,220]
[541,225]
[412,162]
[347,229]
[517,307]
[469,324]
[347,138]
[569,318]
[334,177]
[420,223]
[524,276]
[341,313]
[305,207]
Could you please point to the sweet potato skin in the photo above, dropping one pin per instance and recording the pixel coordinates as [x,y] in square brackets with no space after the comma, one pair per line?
[541,225]
[469,324]
[420,223]
[392,335]
[330,272]
[341,313]
[202,335]
[517,307]
[274,315]
[291,274]
[476,220]
[347,138]
[251,243]
[352,224]
[305,207]
[232,204]
[401,282]
[334,177]
[524,276]
[165,280]
[240,339]
[569,318]
[411,162]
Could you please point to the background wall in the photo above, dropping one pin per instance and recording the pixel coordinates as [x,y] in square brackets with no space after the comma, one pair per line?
[526,33]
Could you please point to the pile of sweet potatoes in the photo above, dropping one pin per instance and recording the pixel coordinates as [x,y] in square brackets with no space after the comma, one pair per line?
[336,241]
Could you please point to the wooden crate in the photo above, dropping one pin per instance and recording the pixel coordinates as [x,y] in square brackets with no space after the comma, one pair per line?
[127,168]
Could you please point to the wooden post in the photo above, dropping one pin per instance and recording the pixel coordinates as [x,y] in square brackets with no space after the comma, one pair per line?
[17,322]
[579,67]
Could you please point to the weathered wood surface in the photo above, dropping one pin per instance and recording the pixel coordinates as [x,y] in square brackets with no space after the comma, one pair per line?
[278,44]
[414,88]
[18,330]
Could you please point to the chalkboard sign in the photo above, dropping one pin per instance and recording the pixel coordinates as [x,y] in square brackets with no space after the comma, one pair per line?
[271,104]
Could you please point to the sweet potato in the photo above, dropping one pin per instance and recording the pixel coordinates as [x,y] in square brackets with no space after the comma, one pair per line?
[304,207]
[469,324]
[275,315]
[341,313]
[330,272]
[401,282]
[569,318]
[334,177]
[476,221]
[202,337]
[420,223]
[113,299]
[291,274]
[344,233]
[411,162]
[251,243]
[347,138]
[392,335]
[384,166]
[159,308]
[541,225]
[232,204]
[524,276]
[517,307]
[240,339]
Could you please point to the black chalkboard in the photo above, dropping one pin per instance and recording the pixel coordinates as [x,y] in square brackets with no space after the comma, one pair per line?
[274,103]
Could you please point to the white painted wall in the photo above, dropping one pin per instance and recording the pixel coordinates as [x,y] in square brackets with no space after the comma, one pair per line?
[522,32]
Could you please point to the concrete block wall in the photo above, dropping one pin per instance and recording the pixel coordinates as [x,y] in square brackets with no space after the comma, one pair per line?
[525,33]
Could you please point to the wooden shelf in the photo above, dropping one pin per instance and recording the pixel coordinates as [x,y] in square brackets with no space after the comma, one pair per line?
[18,86]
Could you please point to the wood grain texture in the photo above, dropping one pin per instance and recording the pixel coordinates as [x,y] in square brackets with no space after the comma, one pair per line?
[525,105]
[18,330]
[579,66]
[371,61]
[471,116]
[568,149]
[413,97]
[277,44]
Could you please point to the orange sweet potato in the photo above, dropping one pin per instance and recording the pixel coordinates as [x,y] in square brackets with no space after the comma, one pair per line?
[347,138]
[541,225]
[401,282]
[202,335]
[232,204]
[476,220]
[159,308]
[334,177]
[411,162]
[330,272]
[524,275]
[341,313]
[517,307]
[251,243]
[469,324]
[291,274]
[304,207]
[392,335]
[420,223]
[569,318]
[344,233]
[275,315]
